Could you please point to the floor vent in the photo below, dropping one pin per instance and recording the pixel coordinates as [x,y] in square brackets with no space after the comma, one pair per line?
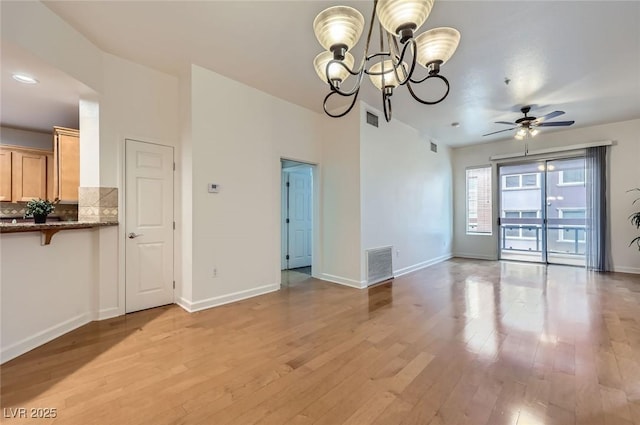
[379,264]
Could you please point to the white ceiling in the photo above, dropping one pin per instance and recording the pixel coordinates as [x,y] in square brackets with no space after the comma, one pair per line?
[580,57]
[53,101]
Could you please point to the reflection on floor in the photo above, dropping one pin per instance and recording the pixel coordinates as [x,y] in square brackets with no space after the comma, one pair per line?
[296,276]
[305,270]
[460,342]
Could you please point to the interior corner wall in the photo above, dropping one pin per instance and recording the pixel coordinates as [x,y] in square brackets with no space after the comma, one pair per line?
[341,209]
[406,192]
[238,135]
[184,208]
[624,174]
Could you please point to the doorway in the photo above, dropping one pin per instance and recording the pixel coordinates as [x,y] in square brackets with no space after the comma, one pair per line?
[149,225]
[543,211]
[297,217]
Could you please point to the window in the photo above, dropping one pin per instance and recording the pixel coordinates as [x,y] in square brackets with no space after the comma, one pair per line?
[571,231]
[512,182]
[529,180]
[479,206]
[518,230]
[571,177]
[521,181]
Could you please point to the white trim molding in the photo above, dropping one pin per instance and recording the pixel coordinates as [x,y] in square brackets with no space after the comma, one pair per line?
[343,281]
[42,337]
[194,306]
[108,313]
[622,269]
[473,256]
[422,265]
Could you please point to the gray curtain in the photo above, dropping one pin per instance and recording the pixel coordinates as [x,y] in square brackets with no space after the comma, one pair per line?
[598,240]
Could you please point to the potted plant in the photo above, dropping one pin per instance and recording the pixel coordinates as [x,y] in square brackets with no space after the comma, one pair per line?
[635,220]
[39,209]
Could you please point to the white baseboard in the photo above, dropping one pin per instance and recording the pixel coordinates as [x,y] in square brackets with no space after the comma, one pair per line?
[34,341]
[422,265]
[622,269]
[192,307]
[108,313]
[343,281]
[474,256]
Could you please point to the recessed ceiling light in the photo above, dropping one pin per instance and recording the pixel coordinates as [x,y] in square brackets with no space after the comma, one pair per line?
[25,79]
[455,124]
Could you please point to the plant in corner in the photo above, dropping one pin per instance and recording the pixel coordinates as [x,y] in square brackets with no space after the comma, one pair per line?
[635,220]
[39,209]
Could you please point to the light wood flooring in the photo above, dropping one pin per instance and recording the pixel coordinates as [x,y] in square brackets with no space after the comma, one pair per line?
[462,342]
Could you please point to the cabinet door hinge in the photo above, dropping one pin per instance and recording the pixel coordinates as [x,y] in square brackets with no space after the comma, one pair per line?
[174,166]
[287,257]
[174,225]
[288,184]
[174,284]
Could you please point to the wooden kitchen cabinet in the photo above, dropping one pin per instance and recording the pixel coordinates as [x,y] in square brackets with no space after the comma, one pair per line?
[66,164]
[23,174]
[5,175]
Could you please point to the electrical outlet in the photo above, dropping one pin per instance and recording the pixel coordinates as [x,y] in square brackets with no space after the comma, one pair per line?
[397,252]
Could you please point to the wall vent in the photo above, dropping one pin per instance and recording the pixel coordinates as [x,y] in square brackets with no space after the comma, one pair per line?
[434,147]
[379,264]
[372,119]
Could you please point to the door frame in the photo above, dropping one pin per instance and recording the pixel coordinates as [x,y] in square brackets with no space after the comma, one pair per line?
[122,227]
[540,159]
[315,218]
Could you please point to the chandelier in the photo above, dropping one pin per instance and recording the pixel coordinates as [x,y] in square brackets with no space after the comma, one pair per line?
[338,29]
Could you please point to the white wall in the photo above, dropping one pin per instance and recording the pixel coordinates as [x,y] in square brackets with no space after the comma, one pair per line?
[624,175]
[238,135]
[26,138]
[406,192]
[340,199]
[42,296]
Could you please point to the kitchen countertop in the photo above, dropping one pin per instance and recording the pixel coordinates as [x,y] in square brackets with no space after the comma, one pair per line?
[50,225]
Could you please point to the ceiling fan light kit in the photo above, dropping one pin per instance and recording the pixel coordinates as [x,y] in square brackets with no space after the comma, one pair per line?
[339,28]
[527,125]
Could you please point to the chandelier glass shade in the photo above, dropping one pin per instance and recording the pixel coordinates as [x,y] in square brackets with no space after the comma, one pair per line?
[438,44]
[336,72]
[383,74]
[339,28]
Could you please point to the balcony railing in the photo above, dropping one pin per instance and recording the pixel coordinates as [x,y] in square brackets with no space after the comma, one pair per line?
[570,241]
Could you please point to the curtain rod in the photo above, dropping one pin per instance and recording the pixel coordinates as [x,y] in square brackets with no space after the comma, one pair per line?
[551,150]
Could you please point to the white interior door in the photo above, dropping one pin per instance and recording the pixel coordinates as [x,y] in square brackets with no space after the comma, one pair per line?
[300,218]
[149,225]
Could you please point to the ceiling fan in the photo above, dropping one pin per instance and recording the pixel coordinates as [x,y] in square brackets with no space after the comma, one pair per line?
[527,124]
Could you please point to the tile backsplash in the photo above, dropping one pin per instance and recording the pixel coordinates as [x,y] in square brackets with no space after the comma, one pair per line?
[98,204]
[66,212]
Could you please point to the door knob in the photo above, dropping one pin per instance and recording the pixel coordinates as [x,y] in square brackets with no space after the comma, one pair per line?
[133,235]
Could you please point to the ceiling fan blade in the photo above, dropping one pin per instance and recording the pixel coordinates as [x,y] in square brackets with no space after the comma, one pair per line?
[549,116]
[505,122]
[555,124]
[496,132]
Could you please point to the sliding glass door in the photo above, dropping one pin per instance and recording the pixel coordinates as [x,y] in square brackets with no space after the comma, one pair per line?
[542,211]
